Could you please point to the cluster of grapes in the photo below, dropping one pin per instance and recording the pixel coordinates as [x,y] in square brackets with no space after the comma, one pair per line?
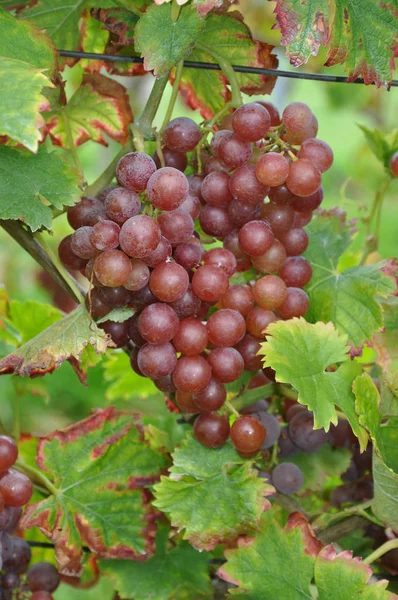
[16,579]
[192,331]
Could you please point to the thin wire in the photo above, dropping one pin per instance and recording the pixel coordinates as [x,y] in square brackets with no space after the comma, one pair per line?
[214,67]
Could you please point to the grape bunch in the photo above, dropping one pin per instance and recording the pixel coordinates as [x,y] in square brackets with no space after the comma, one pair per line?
[200,315]
[17,580]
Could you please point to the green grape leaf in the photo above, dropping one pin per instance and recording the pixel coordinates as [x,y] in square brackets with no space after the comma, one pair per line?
[300,353]
[383,430]
[214,495]
[365,40]
[271,566]
[342,577]
[99,105]
[98,468]
[60,19]
[63,340]
[385,495]
[30,318]
[21,101]
[94,38]
[181,572]
[125,384]
[208,90]
[350,299]
[162,42]
[118,315]
[317,466]
[119,22]
[383,146]
[29,182]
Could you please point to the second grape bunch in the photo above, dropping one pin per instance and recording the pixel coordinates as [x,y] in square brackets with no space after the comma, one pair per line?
[142,244]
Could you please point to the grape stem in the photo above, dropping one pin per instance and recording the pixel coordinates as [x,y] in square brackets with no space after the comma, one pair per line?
[29,243]
[336,532]
[173,96]
[106,177]
[386,547]
[175,11]
[374,217]
[138,139]
[287,391]
[144,123]
[289,504]
[232,408]
[36,476]
[228,71]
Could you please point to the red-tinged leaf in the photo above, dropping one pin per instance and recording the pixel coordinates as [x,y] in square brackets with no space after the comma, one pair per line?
[364,40]
[205,6]
[99,469]
[64,340]
[93,39]
[208,90]
[99,105]
[312,545]
[119,22]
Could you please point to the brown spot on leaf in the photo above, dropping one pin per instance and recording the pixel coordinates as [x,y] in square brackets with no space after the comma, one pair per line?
[311,543]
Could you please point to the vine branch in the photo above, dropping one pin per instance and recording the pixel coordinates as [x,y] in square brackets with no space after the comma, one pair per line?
[144,123]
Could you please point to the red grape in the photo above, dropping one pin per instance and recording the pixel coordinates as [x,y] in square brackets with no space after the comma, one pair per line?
[226,327]
[226,363]
[211,430]
[304,178]
[78,213]
[188,305]
[212,397]
[258,320]
[234,152]
[215,189]
[217,139]
[68,257]
[176,226]
[81,243]
[296,304]
[247,434]
[191,337]
[119,332]
[307,204]
[272,111]
[167,188]
[209,283]
[280,218]
[172,158]
[185,402]
[296,271]
[297,116]
[318,152]
[162,251]
[8,452]
[158,323]
[295,241]
[116,296]
[139,236]
[134,170]
[251,122]
[287,478]
[222,258]
[188,255]
[192,374]
[182,134]
[248,348]
[272,260]
[139,275]
[240,298]
[157,360]
[231,242]
[240,214]
[43,577]
[169,281]
[272,169]
[245,186]
[191,205]
[122,204]
[105,235]
[215,221]
[270,292]
[280,195]
[15,488]
[112,268]
[255,238]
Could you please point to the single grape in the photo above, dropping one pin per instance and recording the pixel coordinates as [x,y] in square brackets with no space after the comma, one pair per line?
[295,241]
[272,429]
[18,555]
[112,268]
[302,219]
[134,361]
[161,253]
[226,363]
[188,255]
[296,304]
[217,138]
[251,122]
[255,238]
[139,275]
[269,292]
[139,236]
[102,195]
[192,374]
[43,577]
[172,158]
[272,169]
[134,334]
[191,337]
[226,327]
[272,260]
[191,205]
[293,410]
[134,170]
[247,434]
[176,226]
[234,152]
[240,214]
[303,434]
[68,258]
[248,348]
[280,195]
[272,111]
[245,186]
[221,258]
[215,221]
[394,164]
[287,478]
[318,152]
[15,488]
[105,235]
[341,435]
[168,282]
[9,581]
[215,189]
[41,596]
[157,360]
[209,283]
[226,121]
[231,243]
[81,243]
[296,271]
[158,323]
[195,184]
[78,213]
[119,332]
[297,116]
[211,429]
[122,204]
[182,134]
[280,218]
[258,320]
[240,298]
[167,188]
[9,518]
[8,452]
[165,384]
[115,297]
[307,204]
[188,305]
[215,164]
[304,178]
[212,397]
[298,137]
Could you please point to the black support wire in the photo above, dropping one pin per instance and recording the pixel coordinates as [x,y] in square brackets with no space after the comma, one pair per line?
[193,64]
